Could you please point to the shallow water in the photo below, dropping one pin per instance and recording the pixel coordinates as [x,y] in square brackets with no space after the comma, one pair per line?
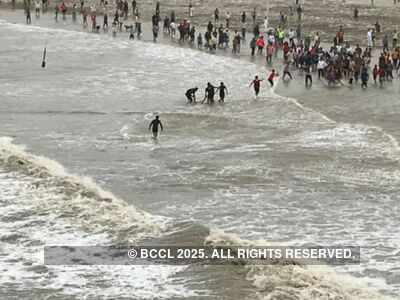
[322,170]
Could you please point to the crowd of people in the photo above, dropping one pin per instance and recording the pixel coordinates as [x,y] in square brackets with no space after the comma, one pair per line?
[337,63]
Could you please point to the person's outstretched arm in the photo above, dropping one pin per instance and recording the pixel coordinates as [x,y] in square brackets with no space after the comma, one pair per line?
[162,128]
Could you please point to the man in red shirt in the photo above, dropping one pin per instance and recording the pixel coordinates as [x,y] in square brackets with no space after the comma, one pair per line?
[271,77]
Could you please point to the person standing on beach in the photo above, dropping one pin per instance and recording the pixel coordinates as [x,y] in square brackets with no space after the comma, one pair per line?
[133,7]
[158,10]
[105,21]
[364,77]
[154,126]
[216,15]
[84,18]
[228,19]
[375,73]
[299,12]
[243,17]
[244,31]
[190,9]
[381,74]
[256,30]
[28,15]
[126,9]
[93,18]
[44,5]
[199,41]
[270,51]
[236,43]
[63,8]
[37,8]
[56,13]
[138,25]
[395,39]
[308,79]
[370,38]
[260,44]
[298,31]
[253,46]
[321,65]
[74,12]
[266,25]
[286,71]
[385,43]
[210,27]
[356,13]
[155,32]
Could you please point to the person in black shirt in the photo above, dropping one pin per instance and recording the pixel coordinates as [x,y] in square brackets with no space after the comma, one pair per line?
[191,95]
[222,89]
[256,84]
[209,93]
[133,7]
[154,126]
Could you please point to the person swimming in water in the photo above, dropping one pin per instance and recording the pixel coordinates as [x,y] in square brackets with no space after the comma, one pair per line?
[191,94]
[222,89]
[154,126]
[256,84]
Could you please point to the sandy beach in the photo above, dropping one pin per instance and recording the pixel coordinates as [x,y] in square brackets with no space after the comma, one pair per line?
[323,16]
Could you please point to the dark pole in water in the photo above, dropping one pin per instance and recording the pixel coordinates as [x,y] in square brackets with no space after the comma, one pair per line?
[44,58]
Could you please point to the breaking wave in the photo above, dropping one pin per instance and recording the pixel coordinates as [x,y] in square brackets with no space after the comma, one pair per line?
[78,201]
[87,203]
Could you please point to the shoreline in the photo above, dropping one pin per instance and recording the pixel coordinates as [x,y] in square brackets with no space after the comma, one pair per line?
[299,91]
[323,16]
[227,54]
[294,89]
[163,38]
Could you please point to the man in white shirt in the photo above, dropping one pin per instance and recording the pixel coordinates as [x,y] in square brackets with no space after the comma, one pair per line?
[321,67]
[370,38]
[266,24]
[37,8]
[228,19]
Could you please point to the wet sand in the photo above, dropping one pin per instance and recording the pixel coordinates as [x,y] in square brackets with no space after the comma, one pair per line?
[324,16]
